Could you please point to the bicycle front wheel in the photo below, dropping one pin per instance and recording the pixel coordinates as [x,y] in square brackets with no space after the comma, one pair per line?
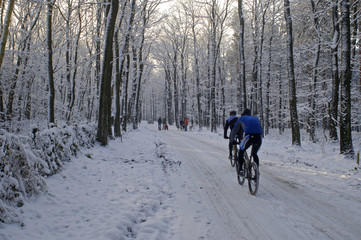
[253,178]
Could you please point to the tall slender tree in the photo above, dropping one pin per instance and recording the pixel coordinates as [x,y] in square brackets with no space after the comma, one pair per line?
[125,63]
[242,71]
[50,5]
[3,39]
[346,147]
[118,72]
[5,30]
[296,137]
[313,85]
[194,23]
[333,107]
[106,76]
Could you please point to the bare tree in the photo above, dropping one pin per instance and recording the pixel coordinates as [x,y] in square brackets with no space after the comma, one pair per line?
[333,108]
[118,72]
[194,22]
[269,75]
[242,71]
[217,16]
[313,85]
[106,76]
[296,137]
[346,147]
[51,118]
[3,39]
[125,63]
[23,54]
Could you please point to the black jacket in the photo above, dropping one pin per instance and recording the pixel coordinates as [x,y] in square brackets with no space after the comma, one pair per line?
[229,124]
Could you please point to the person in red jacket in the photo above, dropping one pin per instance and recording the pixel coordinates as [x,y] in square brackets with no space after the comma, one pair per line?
[185,124]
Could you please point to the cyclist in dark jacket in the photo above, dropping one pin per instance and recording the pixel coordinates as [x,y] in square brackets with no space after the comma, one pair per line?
[251,126]
[230,124]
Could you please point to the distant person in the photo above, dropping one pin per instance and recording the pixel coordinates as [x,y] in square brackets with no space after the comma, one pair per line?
[185,124]
[164,121]
[230,124]
[251,126]
[181,122]
[159,123]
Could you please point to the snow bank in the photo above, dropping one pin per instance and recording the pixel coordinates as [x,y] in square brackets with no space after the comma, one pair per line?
[26,160]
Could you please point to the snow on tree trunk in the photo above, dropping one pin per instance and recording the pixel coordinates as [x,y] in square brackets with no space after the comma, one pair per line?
[346,147]
[313,85]
[106,77]
[335,73]
[242,71]
[296,138]
[51,113]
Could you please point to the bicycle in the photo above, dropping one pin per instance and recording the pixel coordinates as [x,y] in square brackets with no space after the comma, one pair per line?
[233,159]
[251,172]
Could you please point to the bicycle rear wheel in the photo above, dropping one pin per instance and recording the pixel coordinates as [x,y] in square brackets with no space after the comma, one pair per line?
[253,178]
[239,177]
[233,159]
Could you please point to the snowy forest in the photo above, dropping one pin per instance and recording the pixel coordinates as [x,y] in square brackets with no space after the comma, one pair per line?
[75,72]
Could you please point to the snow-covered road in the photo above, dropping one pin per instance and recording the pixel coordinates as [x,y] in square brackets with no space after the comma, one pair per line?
[175,185]
[292,203]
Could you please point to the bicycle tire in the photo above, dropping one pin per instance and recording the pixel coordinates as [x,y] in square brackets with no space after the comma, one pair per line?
[240,178]
[231,160]
[253,178]
[233,163]
[234,157]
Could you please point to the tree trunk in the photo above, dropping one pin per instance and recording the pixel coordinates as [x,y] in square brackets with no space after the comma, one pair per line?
[75,71]
[196,70]
[280,101]
[50,62]
[99,22]
[213,82]
[106,77]
[264,9]
[313,85]
[242,71]
[168,92]
[175,85]
[141,67]
[296,137]
[124,106]
[3,39]
[5,30]
[125,63]
[268,84]
[333,108]
[183,78]
[133,95]
[346,147]
[118,83]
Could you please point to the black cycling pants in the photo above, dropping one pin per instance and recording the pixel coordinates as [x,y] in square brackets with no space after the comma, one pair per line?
[256,141]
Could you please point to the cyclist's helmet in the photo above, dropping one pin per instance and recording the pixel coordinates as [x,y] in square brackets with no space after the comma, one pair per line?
[233,113]
[246,112]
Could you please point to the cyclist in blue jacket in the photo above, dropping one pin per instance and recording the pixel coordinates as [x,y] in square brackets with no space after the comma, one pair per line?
[230,124]
[251,126]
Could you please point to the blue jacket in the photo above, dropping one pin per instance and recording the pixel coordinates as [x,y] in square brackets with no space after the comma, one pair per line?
[247,124]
